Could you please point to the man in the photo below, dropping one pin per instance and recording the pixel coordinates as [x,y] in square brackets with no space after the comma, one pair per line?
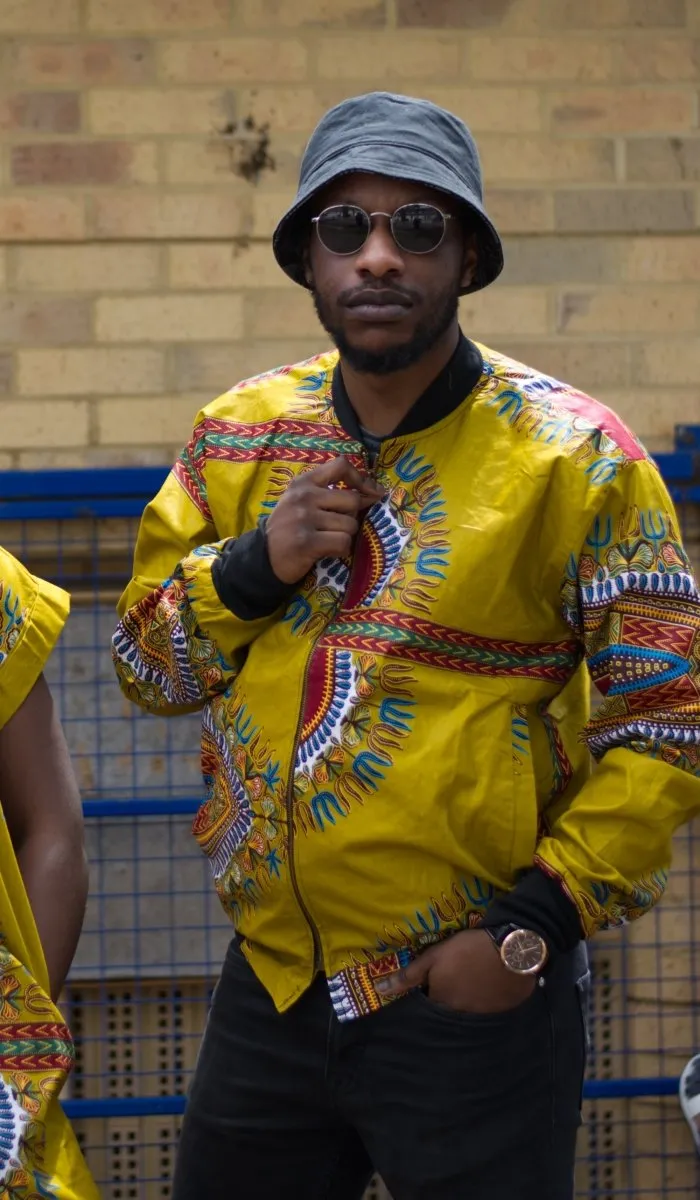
[383,569]
[43,889]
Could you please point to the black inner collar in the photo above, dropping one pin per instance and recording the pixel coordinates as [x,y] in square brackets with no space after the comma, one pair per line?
[456,380]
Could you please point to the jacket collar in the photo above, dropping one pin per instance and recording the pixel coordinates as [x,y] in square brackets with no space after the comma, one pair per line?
[456,380]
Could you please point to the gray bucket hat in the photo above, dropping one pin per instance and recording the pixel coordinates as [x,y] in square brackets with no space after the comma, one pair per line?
[404,138]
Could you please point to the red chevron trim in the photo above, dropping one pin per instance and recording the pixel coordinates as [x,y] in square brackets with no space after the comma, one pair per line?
[195,493]
[25,1032]
[36,1062]
[277,425]
[447,634]
[445,661]
[274,452]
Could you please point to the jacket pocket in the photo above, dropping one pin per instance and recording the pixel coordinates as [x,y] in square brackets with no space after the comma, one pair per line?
[526,812]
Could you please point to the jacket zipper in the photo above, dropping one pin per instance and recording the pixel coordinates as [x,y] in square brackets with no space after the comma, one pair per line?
[318,950]
[371,470]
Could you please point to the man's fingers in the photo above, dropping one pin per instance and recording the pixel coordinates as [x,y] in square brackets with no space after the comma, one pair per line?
[414,975]
[318,517]
[335,522]
[331,545]
[340,500]
[371,489]
[336,470]
[340,470]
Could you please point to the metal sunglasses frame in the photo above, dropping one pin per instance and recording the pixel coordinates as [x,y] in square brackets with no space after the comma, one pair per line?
[390,217]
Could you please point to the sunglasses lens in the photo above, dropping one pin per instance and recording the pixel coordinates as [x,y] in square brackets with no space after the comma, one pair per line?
[343,229]
[418,228]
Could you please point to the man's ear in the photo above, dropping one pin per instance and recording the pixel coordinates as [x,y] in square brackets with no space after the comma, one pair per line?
[470,262]
[306,263]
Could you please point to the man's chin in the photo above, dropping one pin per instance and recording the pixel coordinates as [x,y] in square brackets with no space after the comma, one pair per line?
[381,359]
[378,350]
[379,339]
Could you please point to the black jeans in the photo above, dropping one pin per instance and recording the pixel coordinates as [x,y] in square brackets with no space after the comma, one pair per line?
[443,1105]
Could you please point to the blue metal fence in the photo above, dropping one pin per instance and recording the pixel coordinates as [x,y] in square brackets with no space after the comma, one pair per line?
[154,935]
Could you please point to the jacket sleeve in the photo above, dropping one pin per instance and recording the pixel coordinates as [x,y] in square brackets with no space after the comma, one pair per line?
[631,597]
[33,613]
[177,645]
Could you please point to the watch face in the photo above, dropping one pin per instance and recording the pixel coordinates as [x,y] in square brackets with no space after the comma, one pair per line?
[524,952]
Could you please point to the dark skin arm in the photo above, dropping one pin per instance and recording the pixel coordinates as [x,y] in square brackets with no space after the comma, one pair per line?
[41,802]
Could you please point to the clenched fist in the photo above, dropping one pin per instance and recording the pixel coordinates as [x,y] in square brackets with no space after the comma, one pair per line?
[317,519]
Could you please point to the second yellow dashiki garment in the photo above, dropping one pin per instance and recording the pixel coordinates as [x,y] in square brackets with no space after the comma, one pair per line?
[393,748]
[39,1156]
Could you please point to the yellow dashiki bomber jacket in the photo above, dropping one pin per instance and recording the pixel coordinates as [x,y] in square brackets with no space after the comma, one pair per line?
[39,1156]
[404,737]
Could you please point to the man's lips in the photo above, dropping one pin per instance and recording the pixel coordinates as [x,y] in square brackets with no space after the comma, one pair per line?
[378,307]
[377,299]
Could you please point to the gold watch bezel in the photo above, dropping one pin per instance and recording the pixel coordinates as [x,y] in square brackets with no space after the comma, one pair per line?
[508,946]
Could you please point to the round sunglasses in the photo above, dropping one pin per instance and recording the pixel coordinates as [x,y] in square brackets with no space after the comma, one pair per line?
[416,228]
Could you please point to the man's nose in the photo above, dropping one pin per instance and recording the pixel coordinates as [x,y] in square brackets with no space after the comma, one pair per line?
[380,255]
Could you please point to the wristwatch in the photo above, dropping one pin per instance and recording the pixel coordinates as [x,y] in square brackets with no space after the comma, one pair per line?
[522,951]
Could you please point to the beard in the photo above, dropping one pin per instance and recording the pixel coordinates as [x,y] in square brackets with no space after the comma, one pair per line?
[394,358]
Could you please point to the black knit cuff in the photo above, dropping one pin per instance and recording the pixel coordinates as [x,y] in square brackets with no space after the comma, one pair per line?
[537,902]
[244,580]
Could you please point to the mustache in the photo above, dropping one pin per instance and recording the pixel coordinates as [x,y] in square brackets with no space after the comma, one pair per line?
[402,295]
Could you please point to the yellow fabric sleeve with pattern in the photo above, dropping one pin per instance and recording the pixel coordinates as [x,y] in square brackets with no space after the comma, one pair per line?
[32,615]
[36,1048]
[176,645]
[631,596]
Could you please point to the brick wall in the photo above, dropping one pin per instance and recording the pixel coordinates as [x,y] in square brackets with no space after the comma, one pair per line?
[134,252]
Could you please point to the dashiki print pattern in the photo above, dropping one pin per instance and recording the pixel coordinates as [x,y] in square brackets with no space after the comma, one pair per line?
[436,682]
[39,1156]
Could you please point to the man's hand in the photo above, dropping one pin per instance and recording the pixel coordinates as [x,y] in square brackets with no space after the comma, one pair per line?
[315,518]
[464,973]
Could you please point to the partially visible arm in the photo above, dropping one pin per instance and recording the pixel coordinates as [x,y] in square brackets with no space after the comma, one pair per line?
[631,597]
[41,803]
[179,643]
[633,600]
